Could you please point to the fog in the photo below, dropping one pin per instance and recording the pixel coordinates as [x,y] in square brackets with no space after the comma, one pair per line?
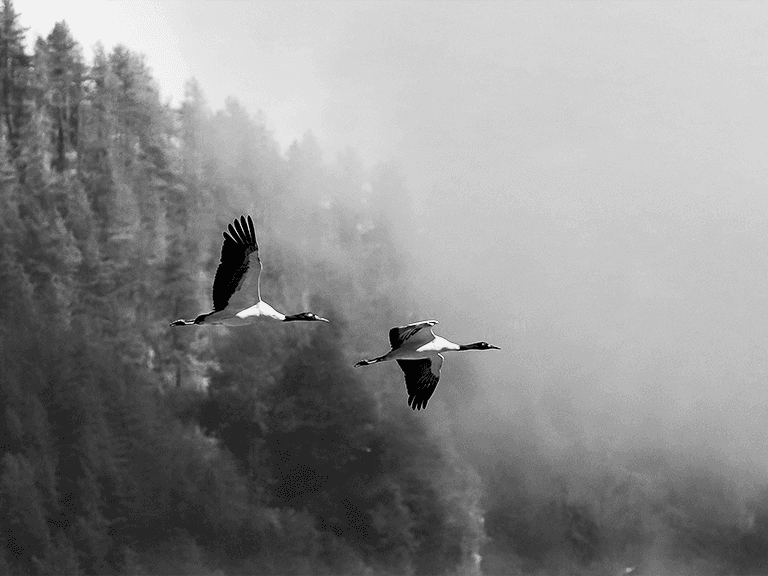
[587,186]
[594,203]
[586,189]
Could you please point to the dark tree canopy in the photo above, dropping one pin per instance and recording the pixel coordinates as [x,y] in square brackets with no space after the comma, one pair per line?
[131,448]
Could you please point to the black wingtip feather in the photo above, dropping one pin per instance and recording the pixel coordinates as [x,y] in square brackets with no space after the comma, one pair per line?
[250,237]
[239,243]
[416,404]
[240,232]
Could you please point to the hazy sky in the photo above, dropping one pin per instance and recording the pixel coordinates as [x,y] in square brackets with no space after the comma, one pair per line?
[408,78]
[589,178]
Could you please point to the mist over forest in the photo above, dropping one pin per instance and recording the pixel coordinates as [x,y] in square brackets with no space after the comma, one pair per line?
[620,430]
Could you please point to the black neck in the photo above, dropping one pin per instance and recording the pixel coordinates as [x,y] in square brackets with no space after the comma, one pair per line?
[473,346]
[295,317]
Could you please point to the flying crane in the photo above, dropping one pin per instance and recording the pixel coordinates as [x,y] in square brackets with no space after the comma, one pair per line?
[418,353]
[239,258]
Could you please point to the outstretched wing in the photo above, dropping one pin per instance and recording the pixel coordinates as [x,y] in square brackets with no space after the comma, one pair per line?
[412,332]
[421,378]
[239,256]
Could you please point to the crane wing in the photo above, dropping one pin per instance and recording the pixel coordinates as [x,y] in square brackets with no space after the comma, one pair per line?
[412,332]
[239,256]
[421,378]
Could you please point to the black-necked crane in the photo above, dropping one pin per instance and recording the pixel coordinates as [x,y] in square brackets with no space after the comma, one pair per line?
[418,352]
[239,257]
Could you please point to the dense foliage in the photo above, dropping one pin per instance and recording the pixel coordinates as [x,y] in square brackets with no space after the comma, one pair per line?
[129,447]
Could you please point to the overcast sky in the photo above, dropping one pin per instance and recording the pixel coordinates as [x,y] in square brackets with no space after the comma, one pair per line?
[591,178]
[394,78]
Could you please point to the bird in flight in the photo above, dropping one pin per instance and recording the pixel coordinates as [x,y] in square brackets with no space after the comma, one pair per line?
[239,259]
[418,352]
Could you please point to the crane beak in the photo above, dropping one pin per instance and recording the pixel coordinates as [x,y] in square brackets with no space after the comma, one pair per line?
[494,347]
[319,319]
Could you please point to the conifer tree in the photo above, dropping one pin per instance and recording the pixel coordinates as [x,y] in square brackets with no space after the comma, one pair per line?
[14,71]
[65,69]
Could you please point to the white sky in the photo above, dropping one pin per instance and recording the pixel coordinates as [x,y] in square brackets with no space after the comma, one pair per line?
[395,78]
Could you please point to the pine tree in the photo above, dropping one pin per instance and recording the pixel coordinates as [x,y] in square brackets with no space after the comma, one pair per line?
[65,70]
[14,71]
[97,124]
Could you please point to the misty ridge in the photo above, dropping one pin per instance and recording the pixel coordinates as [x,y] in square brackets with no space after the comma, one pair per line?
[619,431]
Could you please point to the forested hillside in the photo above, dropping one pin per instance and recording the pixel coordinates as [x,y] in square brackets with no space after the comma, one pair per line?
[129,447]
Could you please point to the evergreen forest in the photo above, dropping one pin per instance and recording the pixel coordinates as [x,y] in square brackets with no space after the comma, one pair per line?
[128,447]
